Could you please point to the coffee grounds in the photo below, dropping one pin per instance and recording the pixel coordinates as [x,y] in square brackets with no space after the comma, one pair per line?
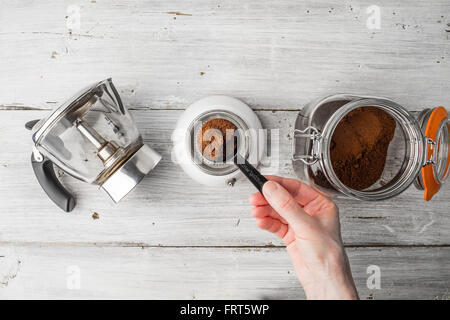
[210,140]
[359,146]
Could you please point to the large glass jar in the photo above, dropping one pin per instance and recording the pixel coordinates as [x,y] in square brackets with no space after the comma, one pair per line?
[418,152]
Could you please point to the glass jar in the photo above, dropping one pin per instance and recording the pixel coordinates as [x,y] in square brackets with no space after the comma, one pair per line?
[418,152]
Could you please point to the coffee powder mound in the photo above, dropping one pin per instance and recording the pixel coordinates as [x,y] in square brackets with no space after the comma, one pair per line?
[215,135]
[359,146]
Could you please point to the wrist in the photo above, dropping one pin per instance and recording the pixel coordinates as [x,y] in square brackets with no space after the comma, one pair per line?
[331,290]
[335,282]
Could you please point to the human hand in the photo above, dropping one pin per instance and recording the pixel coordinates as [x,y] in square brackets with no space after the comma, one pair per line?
[308,223]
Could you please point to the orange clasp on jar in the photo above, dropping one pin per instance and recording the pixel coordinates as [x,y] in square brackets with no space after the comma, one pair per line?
[437,157]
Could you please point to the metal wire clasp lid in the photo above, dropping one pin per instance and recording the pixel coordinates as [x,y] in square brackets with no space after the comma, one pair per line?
[312,133]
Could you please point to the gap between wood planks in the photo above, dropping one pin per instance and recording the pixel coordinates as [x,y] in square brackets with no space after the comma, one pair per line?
[143,245]
[18,107]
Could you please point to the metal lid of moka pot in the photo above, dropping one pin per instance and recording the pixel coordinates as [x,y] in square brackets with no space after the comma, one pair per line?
[130,172]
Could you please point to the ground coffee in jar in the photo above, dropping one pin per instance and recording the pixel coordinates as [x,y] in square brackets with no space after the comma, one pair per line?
[359,146]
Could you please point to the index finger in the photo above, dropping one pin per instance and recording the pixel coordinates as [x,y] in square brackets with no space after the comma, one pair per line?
[301,192]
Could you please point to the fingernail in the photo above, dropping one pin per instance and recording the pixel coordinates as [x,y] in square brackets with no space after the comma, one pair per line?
[269,188]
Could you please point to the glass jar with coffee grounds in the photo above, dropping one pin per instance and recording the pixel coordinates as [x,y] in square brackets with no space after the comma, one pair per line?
[370,148]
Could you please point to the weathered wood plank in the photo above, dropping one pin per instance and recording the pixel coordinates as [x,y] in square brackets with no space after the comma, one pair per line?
[273,55]
[206,273]
[168,208]
[277,54]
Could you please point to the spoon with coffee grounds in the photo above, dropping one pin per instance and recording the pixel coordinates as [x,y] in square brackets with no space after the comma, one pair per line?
[225,149]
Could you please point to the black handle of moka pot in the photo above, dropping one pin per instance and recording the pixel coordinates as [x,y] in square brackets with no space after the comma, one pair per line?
[45,174]
[256,178]
[30,124]
[48,180]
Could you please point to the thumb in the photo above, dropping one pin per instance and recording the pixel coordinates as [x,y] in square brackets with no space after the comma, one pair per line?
[286,206]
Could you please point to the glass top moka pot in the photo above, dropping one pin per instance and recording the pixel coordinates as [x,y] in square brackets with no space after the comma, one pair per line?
[93,138]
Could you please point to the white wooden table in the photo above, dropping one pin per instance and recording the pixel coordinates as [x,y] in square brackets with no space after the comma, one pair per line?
[171,238]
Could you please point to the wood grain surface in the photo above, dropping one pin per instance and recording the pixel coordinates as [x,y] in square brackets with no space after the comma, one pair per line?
[205,273]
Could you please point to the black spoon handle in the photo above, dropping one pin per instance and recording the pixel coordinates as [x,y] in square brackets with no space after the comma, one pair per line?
[250,172]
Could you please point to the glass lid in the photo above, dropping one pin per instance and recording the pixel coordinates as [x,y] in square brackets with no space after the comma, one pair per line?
[75,107]
[89,135]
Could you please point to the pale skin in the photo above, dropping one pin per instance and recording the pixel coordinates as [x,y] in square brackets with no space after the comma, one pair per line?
[308,224]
